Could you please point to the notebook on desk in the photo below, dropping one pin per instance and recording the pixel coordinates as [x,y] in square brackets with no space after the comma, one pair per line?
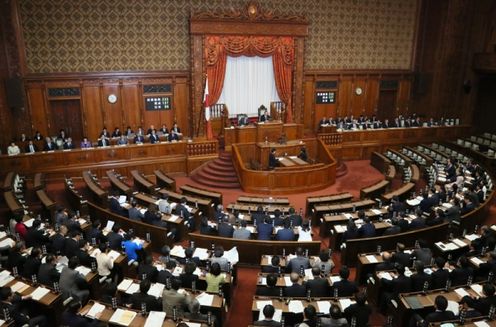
[413,302]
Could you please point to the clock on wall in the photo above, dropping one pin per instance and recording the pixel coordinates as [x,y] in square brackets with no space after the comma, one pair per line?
[358,91]
[112,98]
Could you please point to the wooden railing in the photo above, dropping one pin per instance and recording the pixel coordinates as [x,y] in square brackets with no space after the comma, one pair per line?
[203,148]
[331,139]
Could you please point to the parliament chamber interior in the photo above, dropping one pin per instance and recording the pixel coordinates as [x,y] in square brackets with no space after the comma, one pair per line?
[247,163]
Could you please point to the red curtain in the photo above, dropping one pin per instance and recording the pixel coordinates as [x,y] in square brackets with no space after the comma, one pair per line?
[280,48]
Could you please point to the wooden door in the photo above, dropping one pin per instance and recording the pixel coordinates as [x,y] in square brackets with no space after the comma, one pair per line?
[66,114]
[387,105]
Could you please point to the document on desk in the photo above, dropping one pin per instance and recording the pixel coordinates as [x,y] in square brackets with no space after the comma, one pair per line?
[287,281]
[155,318]
[173,218]
[122,199]
[459,242]
[201,253]
[477,288]
[95,309]
[371,258]
[232,255]
[323,306]
[122,317]
[133,288]
[413,302]
[476,261]
[262,304]
[156,290]
[385,275]
[39,293]
[340,228]
[461,292]
[113,254]
[109,225]
[308,274]
[83,270]
[5,278]
[205,299]
[344,303]
[124,285]
[334,279]
[481,324]
[19,287]
[295,306]
[472,237]
[453,307]
[178,251]
[376,211]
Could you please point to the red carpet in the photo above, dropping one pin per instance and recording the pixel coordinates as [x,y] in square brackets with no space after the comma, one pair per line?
[218,173]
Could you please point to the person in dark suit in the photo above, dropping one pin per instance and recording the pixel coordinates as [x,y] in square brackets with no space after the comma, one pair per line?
[103,141]
[72,283]
[154,137]
[165,275]
[114,204]
[270,289]
[188,257]
[422,253]
[417,222]
[265,230]
[258,216]
[49,145]
[82,254]
[243,120]
[274,266]
[71,316]
[273,162]
[175,133]
[72,244]
[205,228]
[461,273]
[483,304]
[392,288]
[36,236]
[296,264]
[400,256]
[225,228]
[296,289]
[31,147]
[139,138]
[441,314]
[441,275]
[146,270]
[360,310]
[294,218]
[318,286]
[32,264]
[420,278]
[303,154]
[351,231]
[264,117]
[68,144]
[386,264]
[188,277]
[344,287]
[393,229]
[58,240]
[48,273]
[95,234]
[13,304]
[142,297]
[153,217]
[115,238]
[367,229]
[286,233]
[268,312]
[182,211]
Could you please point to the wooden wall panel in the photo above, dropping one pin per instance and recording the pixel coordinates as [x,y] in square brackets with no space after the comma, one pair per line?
[181,107]
[37,104]
[92,117]
[372,96]
[358,102]
[344,100]
[112,112]
[131,105]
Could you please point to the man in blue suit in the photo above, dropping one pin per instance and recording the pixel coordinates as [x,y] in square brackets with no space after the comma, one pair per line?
[285,234]
[367,229]
[265,230]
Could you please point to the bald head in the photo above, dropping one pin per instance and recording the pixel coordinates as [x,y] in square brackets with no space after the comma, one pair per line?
[294,277]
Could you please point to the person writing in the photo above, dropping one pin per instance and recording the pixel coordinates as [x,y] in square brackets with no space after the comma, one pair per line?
[273,162]
[303,154]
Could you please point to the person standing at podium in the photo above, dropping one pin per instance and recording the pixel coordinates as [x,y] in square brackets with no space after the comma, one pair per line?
[273,162]
[243,120]
[303,154]
[264,117]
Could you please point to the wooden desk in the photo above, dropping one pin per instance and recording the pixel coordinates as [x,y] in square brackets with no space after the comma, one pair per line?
[142,183]
[165,181]
[258,132]
[38,181]
[263,200]
[200,203]
[321,210]
[117,183]
[75,199]
[198,192]
[391,173]
[99,194]
[403,192]
[138,321]
[374,190]
[313,201]
[250,251]
[8,182]
[12,203]
[379,162]
[48,205]
[301,178]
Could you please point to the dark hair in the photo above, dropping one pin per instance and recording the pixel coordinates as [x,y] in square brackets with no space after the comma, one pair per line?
[189,252]
[268,311]
[95,223]
[74,306]
[175,283]
[215,269]
[335,311]
[440,262]
[344,272]
[324,255]
[219,251]
[271,280]
[116,228]
[36,223]
[361,298]
[190,268]
[148,260]
[5,292]
[315,271]
[275,261]
[73,262]
[171,264]
[488,289]
[102,247]
[310,312]
[145,286]
[165,250]
[441,303]
[35,252]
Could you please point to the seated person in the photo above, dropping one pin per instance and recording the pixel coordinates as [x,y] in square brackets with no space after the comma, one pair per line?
[37,136]
[270,289]
[122,140]
[242,232]
[218,257]
[49,144]
[31,147]
[154,137]
[85,143]
[336,318]
[164,130]
[116,133]
[324,262]
[303,154]
[344,287]
[129,132]
[188,277]
[68,144]
[214,278]
[268,312]
[143,298]
[103,141]
[296,289]
[286,233]
[264,117]
[13,149]
[243,120]
[146,270]
[298,263]
[360,310]
[175,133]
[139,138]
[318,286]
[265,230]
[12,302]
[71,316]
[273,162]
[274,265]
[441,314]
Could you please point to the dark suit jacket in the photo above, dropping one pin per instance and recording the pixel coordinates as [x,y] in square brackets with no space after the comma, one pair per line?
[58,243]
[75,320]
[267,291]
[269,323]
[285,234]
[440,316]
[402,258]
[225,229]
[295,290]
[418,281]
[36,238]
[182,211]
[71,247]
[151,302]
[319,287]
[48,274]
[150,271]
[345,288]
[26,149]
[31,267]
[273,162]
[187,280]
[459,275]
[264,231]
[154,139]
[360,312]
[401,284]
[139,139]
[483,304]
[367,230]
[439,278]
[163,276]
[115,241]
[50,147]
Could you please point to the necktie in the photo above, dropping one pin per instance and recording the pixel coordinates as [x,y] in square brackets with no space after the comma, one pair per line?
[31,149]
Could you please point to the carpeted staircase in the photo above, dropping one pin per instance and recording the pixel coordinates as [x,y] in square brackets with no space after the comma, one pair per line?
[217,173]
